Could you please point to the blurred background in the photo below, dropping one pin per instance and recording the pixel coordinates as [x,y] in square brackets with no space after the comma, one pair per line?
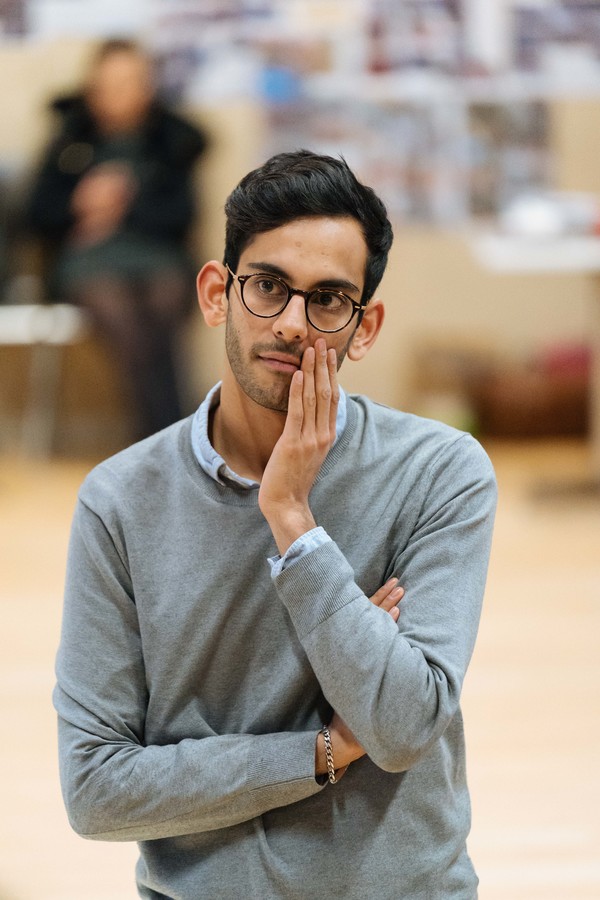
[478,122]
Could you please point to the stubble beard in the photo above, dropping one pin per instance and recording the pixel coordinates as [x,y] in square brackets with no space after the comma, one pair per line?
[276,395]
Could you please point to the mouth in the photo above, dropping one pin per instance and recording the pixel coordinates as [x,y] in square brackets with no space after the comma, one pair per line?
[280,362]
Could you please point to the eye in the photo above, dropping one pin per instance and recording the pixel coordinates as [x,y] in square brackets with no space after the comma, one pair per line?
[264,285]
[329,301]
[269,287]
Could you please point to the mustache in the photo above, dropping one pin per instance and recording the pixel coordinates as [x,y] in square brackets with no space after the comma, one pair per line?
[292,349]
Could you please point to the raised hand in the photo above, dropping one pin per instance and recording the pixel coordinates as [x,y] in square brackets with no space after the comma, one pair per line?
[307,437]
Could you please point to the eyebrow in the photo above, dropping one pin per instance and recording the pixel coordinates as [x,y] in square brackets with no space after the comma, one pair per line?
[340,284]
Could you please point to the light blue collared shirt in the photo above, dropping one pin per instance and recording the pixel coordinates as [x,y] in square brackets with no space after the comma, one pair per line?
[215,466]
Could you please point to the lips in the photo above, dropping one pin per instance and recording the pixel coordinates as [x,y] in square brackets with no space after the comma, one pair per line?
[280,362]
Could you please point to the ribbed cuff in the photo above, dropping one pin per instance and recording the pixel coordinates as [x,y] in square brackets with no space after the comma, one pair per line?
[285,758]
[316,587]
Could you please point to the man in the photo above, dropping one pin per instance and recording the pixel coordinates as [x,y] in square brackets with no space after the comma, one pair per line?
[237,690]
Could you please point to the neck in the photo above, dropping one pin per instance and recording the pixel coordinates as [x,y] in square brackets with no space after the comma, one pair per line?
[244,433]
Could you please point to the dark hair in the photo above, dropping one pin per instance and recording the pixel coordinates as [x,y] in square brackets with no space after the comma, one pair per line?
[300,184]
[114,45]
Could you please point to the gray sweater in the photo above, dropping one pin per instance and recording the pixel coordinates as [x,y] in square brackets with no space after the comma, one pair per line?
[190,686]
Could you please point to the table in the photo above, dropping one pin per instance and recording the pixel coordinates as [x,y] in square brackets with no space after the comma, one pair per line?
[578,254]
[46,330]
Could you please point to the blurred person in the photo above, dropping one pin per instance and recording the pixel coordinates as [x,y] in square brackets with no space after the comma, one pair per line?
[237,687]
[114,196]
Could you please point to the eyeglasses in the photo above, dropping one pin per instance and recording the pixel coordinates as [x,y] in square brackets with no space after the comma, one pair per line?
[266,296]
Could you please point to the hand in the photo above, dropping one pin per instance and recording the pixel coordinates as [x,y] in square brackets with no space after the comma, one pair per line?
[307,437]
[344,745]
[101,201]
[388,596]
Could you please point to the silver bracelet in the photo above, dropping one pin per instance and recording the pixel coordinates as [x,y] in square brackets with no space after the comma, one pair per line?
[329,754]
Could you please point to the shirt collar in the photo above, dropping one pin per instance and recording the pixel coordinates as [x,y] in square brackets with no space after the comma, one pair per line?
[213,464]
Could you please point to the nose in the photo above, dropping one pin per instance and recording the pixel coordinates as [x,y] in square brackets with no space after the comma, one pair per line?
[291,325]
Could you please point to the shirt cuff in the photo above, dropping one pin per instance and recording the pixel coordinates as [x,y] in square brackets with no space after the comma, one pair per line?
[301,547]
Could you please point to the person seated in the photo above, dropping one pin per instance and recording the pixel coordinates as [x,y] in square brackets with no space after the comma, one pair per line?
[114,199]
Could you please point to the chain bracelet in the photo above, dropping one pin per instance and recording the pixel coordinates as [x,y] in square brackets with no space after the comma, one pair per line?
[329,754]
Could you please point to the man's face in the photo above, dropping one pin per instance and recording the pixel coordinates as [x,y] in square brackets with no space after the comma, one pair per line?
[307,253]
[121,91]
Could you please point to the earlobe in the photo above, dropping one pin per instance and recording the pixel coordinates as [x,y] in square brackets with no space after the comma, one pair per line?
[366,333]
[210,285]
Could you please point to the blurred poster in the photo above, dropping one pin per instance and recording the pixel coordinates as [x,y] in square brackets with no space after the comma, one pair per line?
[13,17]
[508,153]
[559,38]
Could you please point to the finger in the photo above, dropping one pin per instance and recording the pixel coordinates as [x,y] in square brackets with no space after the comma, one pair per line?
[390,603]
[322,388]
[394,596]
[388,594]
[380,595]
[295,413]
[308,389]
[335,391]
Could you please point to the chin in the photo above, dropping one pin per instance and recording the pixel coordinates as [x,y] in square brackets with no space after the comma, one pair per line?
[267,401]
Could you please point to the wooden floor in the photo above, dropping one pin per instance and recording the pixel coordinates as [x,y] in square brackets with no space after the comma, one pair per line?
[532,697]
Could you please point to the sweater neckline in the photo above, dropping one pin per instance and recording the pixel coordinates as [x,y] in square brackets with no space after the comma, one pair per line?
[228,493]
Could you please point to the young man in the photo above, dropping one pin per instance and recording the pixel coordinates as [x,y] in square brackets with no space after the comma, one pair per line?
[237,690]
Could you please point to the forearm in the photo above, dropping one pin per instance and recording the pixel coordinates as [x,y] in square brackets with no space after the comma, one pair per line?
[367,670]
[119,790]
[130,775]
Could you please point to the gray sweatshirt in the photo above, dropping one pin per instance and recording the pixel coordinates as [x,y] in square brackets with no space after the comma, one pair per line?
[191,686]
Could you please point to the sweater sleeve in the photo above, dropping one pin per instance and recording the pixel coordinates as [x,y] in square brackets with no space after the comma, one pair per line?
[397,686]
[115,786]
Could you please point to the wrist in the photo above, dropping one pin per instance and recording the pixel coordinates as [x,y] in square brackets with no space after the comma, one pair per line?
[343,752]
[288,523]
[329,759]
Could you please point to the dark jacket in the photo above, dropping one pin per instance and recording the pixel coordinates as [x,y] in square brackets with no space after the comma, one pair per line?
[167,149]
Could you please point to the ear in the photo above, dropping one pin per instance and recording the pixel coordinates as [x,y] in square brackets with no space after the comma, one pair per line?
[210,286]
[366,333]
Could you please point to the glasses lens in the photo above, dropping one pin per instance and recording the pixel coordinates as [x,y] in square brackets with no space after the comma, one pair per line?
[264,295]
[329,311]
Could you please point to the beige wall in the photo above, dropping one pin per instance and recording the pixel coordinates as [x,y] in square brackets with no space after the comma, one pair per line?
[31,73]
[575,138]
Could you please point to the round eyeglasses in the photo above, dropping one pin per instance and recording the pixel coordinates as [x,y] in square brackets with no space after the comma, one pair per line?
[266,296]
